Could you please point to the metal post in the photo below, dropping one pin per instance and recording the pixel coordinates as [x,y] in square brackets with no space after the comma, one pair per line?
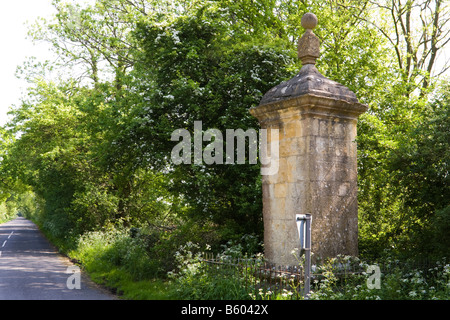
[307,256]
[304,232]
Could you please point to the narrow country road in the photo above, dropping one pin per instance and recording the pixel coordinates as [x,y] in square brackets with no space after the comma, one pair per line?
[31,268]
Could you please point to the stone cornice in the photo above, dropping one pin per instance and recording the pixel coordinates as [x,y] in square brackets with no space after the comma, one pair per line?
[308,105]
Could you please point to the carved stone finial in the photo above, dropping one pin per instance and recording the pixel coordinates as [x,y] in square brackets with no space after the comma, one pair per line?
[309,21]
[308,44]
[309,81]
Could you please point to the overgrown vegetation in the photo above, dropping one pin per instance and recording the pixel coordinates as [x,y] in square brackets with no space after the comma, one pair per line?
[87,154]
[398,281]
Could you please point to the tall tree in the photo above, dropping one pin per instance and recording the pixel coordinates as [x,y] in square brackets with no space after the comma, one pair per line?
[417,31]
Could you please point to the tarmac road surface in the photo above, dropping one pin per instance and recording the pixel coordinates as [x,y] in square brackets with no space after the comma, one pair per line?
[32,269]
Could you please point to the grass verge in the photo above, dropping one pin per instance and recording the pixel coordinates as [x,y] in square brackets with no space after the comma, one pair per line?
[116,261]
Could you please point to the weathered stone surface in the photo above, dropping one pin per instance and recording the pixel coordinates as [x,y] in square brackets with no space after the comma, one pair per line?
[316,119]
[308,48]
[309,81]
[309,21]
[308,45]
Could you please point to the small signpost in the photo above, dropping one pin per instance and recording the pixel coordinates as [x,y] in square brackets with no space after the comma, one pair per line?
[304,232]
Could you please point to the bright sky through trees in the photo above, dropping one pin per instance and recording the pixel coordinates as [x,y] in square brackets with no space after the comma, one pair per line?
[16,47]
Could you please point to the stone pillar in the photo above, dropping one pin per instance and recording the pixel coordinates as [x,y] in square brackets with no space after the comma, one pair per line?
[316,118]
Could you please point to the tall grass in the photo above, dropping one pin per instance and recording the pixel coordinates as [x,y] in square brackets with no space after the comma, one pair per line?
[115,259]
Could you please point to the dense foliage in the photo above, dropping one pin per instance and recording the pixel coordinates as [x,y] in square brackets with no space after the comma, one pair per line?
[87,155]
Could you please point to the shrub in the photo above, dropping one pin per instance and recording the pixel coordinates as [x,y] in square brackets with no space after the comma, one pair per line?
[195,280]
[114,249]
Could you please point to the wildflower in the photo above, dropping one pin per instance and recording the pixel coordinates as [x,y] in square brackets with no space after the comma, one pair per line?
[412,294]
[286,293]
